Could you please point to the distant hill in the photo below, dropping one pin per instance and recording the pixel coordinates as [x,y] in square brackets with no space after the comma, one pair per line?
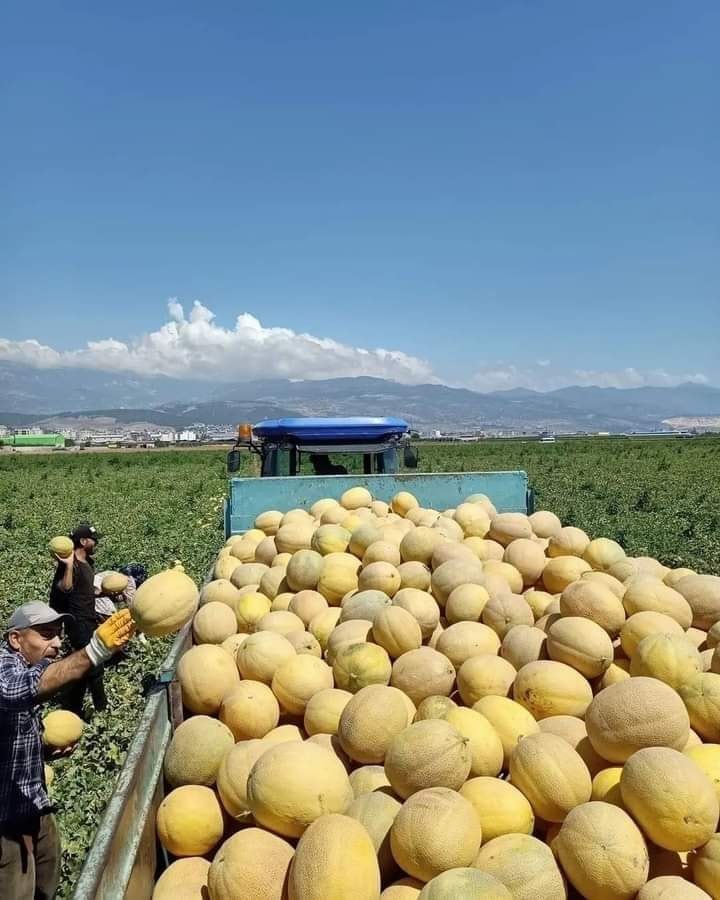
[57,396]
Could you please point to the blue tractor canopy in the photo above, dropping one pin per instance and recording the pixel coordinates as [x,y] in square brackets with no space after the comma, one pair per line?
[285,444]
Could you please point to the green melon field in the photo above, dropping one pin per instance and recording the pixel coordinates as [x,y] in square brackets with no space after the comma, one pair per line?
[657,497]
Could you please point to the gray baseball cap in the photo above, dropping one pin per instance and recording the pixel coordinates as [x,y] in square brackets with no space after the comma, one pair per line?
[34,613]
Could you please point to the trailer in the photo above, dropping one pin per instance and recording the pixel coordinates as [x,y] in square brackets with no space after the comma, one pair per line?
[125,858]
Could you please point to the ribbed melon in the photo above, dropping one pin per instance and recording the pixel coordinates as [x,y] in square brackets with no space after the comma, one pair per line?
[190,821]
[255,859]
[293,784]
[196,750]
[427,754]
[335,858]
[435,830]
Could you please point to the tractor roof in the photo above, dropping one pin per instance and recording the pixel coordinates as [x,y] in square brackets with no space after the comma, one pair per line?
[354,429]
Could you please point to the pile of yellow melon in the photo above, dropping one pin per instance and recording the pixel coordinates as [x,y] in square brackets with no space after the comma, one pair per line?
[390,701]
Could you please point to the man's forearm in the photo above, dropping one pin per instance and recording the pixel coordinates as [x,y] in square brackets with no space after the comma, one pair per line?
[59,673]
[67,579]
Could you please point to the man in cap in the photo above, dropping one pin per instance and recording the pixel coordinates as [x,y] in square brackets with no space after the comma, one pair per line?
[30,672]
[73,591]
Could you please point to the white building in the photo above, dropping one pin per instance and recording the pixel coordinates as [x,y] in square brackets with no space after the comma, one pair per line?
[187,435]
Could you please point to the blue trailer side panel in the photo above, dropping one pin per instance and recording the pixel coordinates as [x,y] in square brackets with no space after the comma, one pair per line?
[250,496]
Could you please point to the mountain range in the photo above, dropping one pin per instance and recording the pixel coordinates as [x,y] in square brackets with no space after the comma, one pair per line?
[54,397]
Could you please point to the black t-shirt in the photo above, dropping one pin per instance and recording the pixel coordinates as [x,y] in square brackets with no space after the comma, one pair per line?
[80,600]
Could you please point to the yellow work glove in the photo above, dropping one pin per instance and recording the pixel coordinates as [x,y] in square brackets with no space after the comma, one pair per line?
[110,637]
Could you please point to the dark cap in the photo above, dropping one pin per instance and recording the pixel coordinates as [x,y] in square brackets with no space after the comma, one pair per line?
[85,531]
[34,613]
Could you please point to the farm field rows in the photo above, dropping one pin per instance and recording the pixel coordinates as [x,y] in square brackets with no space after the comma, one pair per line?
[658,498]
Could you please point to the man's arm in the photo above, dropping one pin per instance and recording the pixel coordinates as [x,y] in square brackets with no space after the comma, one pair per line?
[66,582]
[26,687]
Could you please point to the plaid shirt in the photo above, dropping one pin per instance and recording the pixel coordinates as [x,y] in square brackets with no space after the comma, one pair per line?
[23,794]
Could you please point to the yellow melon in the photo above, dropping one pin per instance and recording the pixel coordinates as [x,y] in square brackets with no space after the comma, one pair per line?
[568,541]
[562,571]
[396,631]
[473,519]
[464,882]
[379,576]
[190,821]
[243,550]
[503,612]
[604,578]
[463,640]
[330,539]
[339,575]
[294,783]
[323,710]
[299,679]
[206,673]
[222,590]
[361,536]
[355,498]
[213,623]
[633,714]
[196,751]
[403,502]
[250,609]
[261,654]
[266,551]
[501,807]
[606,785]
[435,830]
[303,571]
[551,775]
[544,523]
[345,634]
[602,553]
[249,710]
[641,624]
[224,567]
[304,642]
[573,730]
[366,779]
[232,776]
[365,604]
[185,877]
[486,749]
[414,575]
[538,601]
[602,851]
[701,696]
[359,665]
[281,621]
[524,864]
[376,812]
[466,603]
[549,688]
[670,797]
[61,729]
[335,858]
[702,592]
[422,606]
[248,573]
[434,708]
[427,754]
[527,558]
[617,671]
[484,674]
[449,575]
[508,527]
[511,721]
[423,673]
[580,643]
[595,601]
[382,551]
[446,550]
[274,581]
[644,592]
[705,867]
[164,603]
[321,625]
[370,721]
[254,858]
[670,887]
[671,658]
[294,536]
[61,546]
[523,644]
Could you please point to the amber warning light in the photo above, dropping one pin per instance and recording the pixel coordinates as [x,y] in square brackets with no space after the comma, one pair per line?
[245,432]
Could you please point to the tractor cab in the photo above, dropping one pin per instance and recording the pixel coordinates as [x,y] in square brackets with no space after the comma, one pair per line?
[326,446]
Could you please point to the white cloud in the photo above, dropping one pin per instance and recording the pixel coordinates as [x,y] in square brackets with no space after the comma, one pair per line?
[541,376]
[197,347]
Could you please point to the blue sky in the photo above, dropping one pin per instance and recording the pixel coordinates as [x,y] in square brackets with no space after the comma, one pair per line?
[505,192]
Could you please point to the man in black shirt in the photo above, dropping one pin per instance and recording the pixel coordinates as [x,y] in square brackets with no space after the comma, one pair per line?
[73,591]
